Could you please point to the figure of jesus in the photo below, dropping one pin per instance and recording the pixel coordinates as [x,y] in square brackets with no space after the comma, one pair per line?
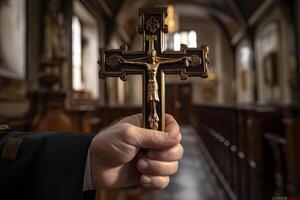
[152,66]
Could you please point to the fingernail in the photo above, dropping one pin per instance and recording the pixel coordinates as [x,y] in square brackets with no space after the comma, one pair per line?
[143,164]
[145,179]
[173,135]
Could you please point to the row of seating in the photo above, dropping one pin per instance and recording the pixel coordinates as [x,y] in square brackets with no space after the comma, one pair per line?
[253,150]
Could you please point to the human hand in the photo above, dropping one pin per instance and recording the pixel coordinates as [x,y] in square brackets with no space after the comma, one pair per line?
[116,161]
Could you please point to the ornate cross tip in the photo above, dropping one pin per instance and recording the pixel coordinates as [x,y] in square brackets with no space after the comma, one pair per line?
[183,75]
[165,28]
[139,29]
[102,75]
[123,76]
[101,71]
[206,58]
[183,47]
[205,48]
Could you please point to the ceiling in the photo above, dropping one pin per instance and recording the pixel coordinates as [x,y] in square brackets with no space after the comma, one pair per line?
[229,14]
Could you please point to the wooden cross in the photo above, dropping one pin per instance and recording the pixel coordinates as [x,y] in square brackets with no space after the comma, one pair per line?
[153,64]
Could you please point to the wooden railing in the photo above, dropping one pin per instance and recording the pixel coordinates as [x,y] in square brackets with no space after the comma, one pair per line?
[253,150]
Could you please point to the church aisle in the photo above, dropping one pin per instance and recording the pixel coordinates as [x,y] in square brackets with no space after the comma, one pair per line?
[194,181]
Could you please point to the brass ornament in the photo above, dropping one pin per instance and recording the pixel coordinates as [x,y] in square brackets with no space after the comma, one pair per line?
[123,76]
[152,25]
[113,61]
[183,74]
[206,58]
[194,61]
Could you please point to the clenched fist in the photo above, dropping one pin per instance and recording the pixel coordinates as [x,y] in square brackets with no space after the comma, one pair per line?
[117,161]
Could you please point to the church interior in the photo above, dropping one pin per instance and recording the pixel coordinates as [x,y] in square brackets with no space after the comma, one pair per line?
[240,125]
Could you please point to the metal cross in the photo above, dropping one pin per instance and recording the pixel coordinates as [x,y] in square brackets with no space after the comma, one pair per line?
[153,64]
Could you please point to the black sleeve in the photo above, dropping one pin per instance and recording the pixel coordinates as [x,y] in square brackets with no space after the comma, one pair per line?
[43,166]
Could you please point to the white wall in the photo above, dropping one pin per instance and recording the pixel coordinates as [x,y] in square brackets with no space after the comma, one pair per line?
[90,53]
[282,35]
[13,39]
[244,70]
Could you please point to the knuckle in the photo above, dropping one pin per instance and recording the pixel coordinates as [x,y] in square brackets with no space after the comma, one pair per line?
[181,151]
[169,116]
[174,151]
[127,128]
[127,131]
[154,136]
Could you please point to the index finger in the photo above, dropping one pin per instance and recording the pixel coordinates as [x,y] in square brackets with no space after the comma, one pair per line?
[135,120]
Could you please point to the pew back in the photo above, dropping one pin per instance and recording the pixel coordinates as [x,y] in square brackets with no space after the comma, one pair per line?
[254,150]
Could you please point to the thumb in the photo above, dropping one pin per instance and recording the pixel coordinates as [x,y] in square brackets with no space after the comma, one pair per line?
[151,139]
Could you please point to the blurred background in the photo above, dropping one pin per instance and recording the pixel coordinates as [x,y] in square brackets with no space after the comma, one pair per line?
[241,125]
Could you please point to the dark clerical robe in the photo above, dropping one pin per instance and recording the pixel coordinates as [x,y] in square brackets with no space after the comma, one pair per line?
[43,166]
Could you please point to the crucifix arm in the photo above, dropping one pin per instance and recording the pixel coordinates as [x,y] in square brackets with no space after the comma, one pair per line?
[124,61]
[171,60]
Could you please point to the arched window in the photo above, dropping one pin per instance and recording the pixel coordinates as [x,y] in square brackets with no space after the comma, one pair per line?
[173,42]
[77,82]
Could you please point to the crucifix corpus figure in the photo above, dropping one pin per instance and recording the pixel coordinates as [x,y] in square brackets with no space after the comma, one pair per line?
[154,64]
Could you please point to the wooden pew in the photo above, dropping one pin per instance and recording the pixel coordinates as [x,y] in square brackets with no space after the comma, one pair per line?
[291,122]
[261,120]
[250,148]
[217,132]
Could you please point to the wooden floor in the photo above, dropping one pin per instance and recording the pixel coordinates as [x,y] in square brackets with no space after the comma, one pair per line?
[194,181]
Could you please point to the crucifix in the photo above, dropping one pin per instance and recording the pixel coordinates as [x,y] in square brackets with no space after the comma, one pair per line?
[153,63]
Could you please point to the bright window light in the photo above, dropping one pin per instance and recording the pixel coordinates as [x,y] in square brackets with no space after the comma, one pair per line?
[192,39]
[177,41]
[185,37]
[76,54]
